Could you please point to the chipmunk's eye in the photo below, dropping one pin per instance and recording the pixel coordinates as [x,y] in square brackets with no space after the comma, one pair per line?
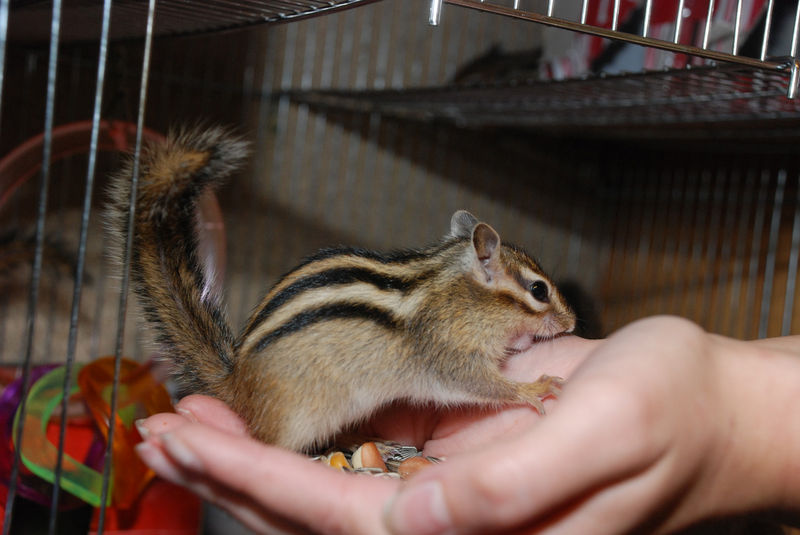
[540,292]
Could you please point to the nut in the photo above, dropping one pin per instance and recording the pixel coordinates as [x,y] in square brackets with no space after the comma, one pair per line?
[338,460]
[412,465]
[367,456]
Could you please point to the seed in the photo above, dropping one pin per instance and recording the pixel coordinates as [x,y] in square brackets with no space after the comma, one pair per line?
[412,465]
[338,460]
[377,458]
[367,456]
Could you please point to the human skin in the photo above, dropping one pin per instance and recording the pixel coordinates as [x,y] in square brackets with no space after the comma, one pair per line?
[659,426]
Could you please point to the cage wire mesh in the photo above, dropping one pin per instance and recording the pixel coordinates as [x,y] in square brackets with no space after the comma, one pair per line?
[641,190]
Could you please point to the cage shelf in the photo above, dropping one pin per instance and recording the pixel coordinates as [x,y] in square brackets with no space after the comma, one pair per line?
[723,71]
[683,97]
[81,18]
[715,30]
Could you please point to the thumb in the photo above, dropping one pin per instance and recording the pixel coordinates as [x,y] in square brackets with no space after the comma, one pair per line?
[420,509]
[525,481]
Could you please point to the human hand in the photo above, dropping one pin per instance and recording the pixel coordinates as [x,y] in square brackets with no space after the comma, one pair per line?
[652,432]
[661,426]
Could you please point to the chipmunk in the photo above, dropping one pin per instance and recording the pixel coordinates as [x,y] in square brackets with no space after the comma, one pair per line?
[346,331]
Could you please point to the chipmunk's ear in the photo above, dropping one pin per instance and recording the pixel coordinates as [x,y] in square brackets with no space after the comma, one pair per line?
[485,240]
[486,243]
[462,224]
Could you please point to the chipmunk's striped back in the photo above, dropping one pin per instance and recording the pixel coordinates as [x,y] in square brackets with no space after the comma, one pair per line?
[348,283]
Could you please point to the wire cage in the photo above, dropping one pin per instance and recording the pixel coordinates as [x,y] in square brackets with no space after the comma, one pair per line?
[644,151]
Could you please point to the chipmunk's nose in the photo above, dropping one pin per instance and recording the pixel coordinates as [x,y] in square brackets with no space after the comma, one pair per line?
[556,323]
[569,324]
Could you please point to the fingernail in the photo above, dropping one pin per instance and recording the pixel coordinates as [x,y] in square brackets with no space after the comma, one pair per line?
[144,432]
[189,415]
[181,452]
[158,462]
[419,510]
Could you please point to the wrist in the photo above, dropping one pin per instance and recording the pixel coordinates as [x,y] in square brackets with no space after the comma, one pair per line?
[759,439]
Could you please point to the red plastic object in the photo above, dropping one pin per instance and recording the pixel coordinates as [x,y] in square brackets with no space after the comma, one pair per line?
[74,138]
[163,509]
[24,161]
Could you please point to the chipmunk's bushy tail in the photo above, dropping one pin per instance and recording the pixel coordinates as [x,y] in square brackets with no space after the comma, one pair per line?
[167,273]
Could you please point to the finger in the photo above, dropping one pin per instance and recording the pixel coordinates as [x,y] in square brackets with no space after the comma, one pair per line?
[558,357]
[282,482]
[194,408]
[241,507]
[473,428]
[638,504]
[211,411]
[159,424]
[663,498]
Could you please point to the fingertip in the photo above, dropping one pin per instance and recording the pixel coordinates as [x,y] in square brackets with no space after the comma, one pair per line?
[186,413]
[181,452]
[141,427]
[154,457]
[159,424]
[211,411]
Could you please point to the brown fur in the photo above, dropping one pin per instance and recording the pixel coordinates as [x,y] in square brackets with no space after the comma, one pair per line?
[345,332]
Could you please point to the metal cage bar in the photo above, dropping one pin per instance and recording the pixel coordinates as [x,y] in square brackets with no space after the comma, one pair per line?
[80,262]
[770,260]
[127,253]
[3,41]
[44,186]
[793,267]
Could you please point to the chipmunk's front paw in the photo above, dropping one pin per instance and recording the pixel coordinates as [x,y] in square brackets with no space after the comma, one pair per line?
[552,384]
[544,387]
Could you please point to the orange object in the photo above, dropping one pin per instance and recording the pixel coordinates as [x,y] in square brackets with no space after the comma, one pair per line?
[412,465]
[368,456]
[338,460]
[139,395]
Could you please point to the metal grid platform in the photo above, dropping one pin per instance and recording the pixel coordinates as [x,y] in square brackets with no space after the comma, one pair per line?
[694,29]
[723,83]
[81,19]
[686,97]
